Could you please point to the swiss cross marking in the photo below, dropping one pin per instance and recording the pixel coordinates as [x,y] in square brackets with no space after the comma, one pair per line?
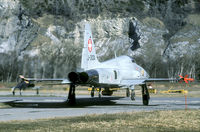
[90,44]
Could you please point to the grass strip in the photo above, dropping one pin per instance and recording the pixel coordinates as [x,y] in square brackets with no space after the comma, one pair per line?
[179,120]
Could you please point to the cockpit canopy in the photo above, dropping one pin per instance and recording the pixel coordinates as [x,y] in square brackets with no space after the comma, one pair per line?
[132,59]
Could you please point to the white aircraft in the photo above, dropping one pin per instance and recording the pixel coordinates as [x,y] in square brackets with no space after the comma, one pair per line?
[120,72]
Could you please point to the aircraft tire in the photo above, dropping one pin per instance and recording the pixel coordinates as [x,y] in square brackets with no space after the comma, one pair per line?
[71,95]
[145,100]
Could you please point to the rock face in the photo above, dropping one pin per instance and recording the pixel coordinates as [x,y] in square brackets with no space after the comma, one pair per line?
[44,38]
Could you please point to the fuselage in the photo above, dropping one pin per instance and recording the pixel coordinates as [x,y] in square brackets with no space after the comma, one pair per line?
[114,72]
[121,68]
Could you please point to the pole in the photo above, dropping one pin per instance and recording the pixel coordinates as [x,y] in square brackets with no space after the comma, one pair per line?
[185,101]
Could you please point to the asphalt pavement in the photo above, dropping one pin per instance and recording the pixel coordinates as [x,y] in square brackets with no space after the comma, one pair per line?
[27,108]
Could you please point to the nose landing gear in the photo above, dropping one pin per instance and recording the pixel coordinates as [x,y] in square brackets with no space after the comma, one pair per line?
[132,94]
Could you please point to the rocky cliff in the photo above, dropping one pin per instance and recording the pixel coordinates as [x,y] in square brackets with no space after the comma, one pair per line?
[43,38]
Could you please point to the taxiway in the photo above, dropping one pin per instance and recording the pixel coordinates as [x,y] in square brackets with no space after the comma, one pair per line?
[26,108]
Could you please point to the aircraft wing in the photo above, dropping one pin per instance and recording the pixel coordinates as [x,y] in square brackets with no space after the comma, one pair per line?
[144,80]
[63,80]
[161,79]
[133,82]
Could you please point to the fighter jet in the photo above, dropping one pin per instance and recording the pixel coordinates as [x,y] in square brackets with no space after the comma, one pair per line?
[119,72]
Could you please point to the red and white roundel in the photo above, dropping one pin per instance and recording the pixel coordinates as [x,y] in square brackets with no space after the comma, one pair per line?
[90,45]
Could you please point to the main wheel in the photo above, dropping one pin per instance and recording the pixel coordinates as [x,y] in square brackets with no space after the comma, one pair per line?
[145,100]
[71,95]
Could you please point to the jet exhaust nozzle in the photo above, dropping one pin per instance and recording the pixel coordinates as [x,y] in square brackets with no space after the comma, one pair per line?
[83,77]
[78,77]
[73,77]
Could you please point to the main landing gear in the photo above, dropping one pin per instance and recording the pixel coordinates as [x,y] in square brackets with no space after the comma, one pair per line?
[145,95]
[132,92]
[71,96]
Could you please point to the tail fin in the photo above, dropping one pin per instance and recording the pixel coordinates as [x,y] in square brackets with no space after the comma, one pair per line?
[89,58]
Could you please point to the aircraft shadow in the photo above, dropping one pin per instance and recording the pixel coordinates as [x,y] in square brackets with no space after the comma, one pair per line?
[80,103]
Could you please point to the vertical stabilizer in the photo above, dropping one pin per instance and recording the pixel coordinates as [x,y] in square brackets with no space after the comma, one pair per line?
[89,58]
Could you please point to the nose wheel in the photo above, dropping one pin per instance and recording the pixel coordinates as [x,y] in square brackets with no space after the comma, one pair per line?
[132,95]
